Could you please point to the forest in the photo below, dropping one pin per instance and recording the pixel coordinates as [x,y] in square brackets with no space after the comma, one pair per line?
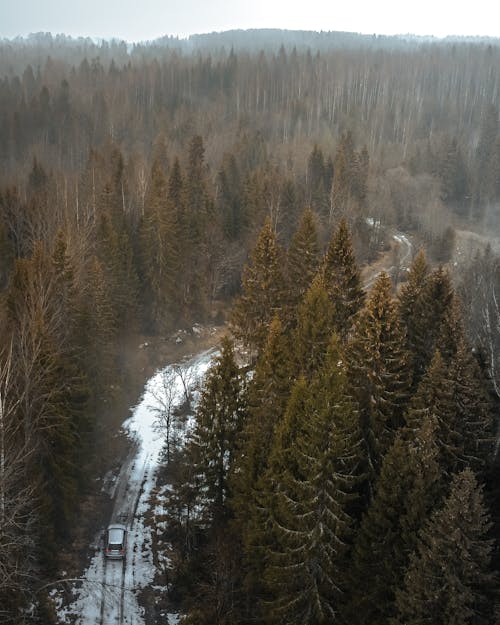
[343,470]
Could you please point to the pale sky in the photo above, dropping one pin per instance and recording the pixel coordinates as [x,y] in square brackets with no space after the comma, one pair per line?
[139,20]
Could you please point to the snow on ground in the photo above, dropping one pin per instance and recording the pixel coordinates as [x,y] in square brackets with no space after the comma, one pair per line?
[109,589]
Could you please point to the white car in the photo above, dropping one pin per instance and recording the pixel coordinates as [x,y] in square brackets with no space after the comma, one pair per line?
[115,543]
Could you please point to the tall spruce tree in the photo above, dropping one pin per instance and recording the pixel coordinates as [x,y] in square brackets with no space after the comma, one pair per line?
[407,489]
[379,371]
[454,394]
[449,579]
[424,308]
[342,279]
[410,298]
[159,253]
[262,296]
[266,398]
[312,473]
[212,446]
[302,263]
[315,326]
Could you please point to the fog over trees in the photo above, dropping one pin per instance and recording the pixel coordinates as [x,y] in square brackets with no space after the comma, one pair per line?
[250,177]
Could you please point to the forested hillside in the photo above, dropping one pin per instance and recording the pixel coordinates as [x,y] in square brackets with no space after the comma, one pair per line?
[145,188]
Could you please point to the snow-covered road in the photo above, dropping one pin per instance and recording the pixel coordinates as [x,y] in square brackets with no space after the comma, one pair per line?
[109,590]
[404,259]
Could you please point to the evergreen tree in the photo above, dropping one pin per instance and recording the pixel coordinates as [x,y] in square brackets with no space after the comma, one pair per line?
[454,395]
[114,250]
[454,177]
[159,244]
[424,305]
[407,489]
[317,192]
[218,423]
[98,333]
[266,399]
[302,262]
[410,297]
[315,325]
[379,371]
[342,279]
[229,199]
[449,577]
[53,398]
[474,417]
[312,472]
[262,296]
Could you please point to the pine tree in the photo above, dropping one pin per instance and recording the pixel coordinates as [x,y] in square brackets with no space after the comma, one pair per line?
[228,200]
[262,296]
[379,371]
[449,576]
[266,399]
[115,253]
[342,279]
[317,192]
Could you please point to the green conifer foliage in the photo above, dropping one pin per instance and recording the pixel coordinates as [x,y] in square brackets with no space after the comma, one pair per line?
[218,424]
[315,325]
[312,475]
[424,308]
[159,251]
[343,177]
[342,279]
[317,192]
[449,578]
[474,416]
[407,488]
[454,394]
[262,296]
[229,204]
[410,300]
[98,332]
[266,400]
[302,262]
[379,371]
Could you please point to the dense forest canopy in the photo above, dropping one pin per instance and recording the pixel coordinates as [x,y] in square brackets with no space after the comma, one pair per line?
[146,187]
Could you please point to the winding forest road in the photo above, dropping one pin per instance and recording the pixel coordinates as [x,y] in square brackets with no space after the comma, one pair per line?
[403,256]
[108,594]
